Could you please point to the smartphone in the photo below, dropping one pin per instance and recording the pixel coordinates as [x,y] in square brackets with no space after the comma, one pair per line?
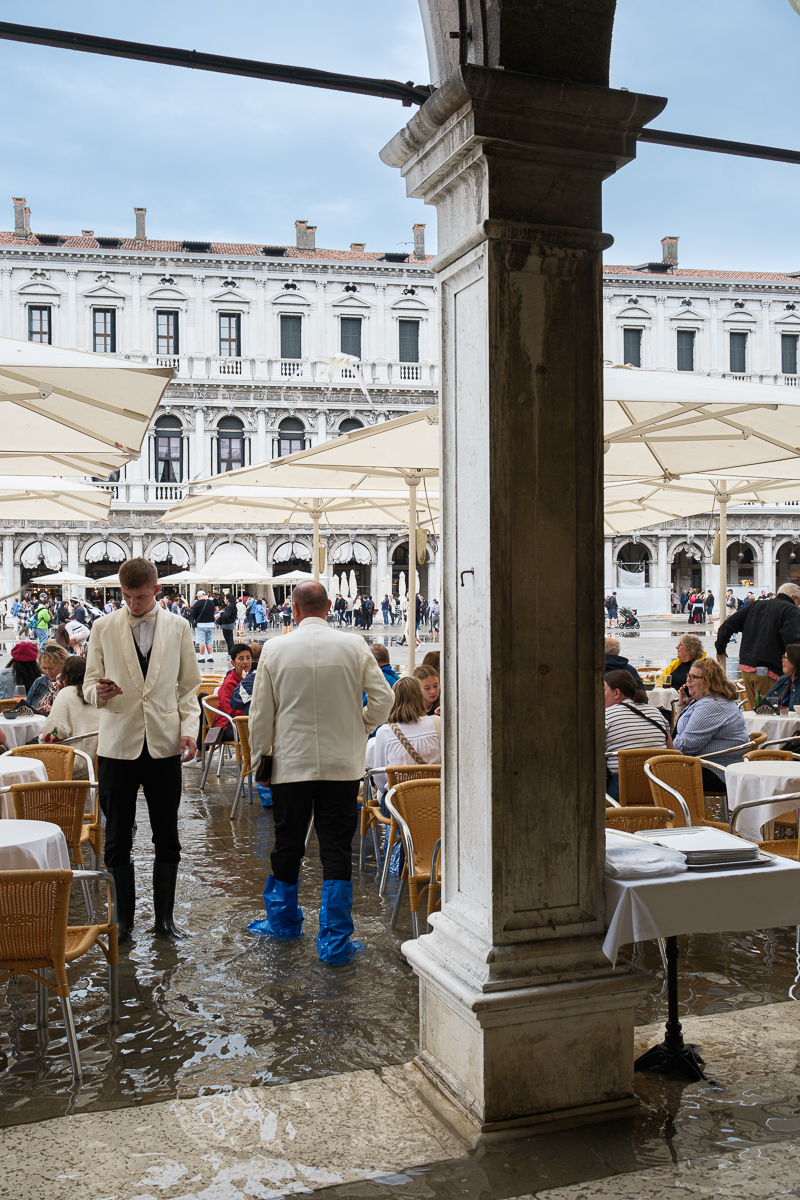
[108,682]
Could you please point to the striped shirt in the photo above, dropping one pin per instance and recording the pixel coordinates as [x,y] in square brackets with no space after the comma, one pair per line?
[626,729]
[709,724]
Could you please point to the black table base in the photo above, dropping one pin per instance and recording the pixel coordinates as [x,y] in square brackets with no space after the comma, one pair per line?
[673,1054]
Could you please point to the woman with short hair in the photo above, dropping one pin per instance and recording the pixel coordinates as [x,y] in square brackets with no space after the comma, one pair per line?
[710,720]
[43,690]
[786,692]
[689,649]
[409,737]
[631,723]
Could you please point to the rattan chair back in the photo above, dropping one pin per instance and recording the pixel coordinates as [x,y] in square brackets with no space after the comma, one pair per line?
[62,804]
[58,760]
[5,705]
[633,818]
[634,786]
[34,909]
[419,802]
[758,737]
[685,774]
[768,756]
[408,774]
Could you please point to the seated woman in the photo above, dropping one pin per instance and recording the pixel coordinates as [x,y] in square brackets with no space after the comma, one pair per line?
[429,681]
[43,690]
[71,715]
[709,720]
[21,671]
[631,724]
[689,649]
[410,736]
[242,661]
[786,692]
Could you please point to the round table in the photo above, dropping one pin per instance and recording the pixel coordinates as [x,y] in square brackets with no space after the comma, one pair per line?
[32,846]
[662,697]
[18,770]
[21,730]
[756,781]
[777,728]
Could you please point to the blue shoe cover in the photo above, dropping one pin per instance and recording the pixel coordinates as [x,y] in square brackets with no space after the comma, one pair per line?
[284,919]
[336,924]
[264,795]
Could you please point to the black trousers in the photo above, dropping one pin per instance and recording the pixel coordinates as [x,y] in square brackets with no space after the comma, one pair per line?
[334,804]
[227,633]
[119,780]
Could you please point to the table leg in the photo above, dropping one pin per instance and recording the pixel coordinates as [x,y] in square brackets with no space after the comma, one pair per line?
[673,1054]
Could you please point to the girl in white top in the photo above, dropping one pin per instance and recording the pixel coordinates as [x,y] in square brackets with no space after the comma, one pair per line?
[241,616]
[71,715]
[410,737]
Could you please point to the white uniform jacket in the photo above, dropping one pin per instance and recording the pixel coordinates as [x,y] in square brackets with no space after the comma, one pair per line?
[307,704]
[163,707]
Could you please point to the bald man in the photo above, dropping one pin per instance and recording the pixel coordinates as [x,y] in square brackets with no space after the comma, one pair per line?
[307,712]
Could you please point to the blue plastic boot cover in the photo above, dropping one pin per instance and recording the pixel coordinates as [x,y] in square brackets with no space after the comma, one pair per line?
[284,919]
[336,923]
[264,795]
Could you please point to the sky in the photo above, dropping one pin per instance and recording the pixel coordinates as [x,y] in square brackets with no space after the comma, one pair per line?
[215,157]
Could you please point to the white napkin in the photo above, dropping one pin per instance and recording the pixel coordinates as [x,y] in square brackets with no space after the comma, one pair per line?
[629,857]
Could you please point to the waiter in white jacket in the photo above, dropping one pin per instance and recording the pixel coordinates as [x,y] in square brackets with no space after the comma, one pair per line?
[142,673]
[307,712]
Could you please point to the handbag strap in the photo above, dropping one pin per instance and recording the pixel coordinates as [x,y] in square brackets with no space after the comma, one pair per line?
[639,713]
[406,744]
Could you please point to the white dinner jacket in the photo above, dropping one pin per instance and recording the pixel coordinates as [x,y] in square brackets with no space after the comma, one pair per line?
[163,707]
[307,703]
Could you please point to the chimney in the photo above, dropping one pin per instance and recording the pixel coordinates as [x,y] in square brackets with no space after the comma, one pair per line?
[669,251]
[358,245]
[87,233]
[305,239]
[419,241]
[22,218]
[141,236]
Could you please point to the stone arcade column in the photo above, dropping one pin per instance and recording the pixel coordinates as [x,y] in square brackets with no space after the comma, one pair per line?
[8,566]
[767,564]
[523,1021]
[608,565]
[383,564]
[663,562]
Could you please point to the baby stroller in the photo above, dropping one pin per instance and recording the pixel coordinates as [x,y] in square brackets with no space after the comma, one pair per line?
[627,618]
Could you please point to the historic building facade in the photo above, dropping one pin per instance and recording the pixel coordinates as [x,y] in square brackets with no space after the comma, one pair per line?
[728,324]
[247,329]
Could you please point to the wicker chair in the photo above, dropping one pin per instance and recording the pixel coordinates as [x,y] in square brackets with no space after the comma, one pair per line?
[245,765]
[634,786]
[395,775]
[212,711]
[209,686]
[63,803]
[35,938]
[632,819]
[417,808]
[59,760]
[5,705]
[783,847]
[680,777]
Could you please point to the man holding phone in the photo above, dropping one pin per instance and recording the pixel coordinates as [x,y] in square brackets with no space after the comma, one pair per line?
[142,673]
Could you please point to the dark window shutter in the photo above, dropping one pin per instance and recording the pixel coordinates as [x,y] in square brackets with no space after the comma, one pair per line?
[632,352]
[685,349]
[351,336]
[409,341]
[789,353]
[291,337]
[738,353]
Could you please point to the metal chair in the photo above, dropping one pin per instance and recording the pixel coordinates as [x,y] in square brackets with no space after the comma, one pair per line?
[417,808]
[634,786]
[633,818]
[783,847]
[246,767]
[680,776]
[35,938]
[63,803]
[395,775]
[215,712]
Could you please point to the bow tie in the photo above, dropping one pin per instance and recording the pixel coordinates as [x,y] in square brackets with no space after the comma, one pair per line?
[149,617]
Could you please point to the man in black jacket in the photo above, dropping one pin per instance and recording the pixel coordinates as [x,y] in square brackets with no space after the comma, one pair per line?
[767,628]
[616,662]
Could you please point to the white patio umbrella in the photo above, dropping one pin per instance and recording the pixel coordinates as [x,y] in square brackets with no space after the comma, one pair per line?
[401,586]
[293,577]
[336,585]
[343,586]
[43,498]
[70,413]
[107,581]
[635,504]
[184,577]
[353,584]
[64,579]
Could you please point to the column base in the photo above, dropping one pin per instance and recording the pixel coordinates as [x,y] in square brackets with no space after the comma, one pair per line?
[515,1060]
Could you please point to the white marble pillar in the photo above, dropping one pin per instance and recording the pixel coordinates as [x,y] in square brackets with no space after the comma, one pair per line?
[198,340]
[608,565]
[661,350]
[72,310]
[714,357]
[522,1018]
[379,337]
[137,346]
[322,426]
[383,564]
[137,546]
[766,360]
[73,566]
[199,444]
[5,275]
[317,342]
[261,551]
[374,583]
[260,338]
[767,580]
[8,565]
[199,552]
[663,562]
[610,350]
[262,454]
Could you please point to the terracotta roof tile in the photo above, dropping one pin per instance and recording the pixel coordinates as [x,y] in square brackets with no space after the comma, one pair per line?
[699,273]
[238,249]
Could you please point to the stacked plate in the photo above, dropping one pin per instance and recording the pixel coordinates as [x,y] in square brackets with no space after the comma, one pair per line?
[709,849]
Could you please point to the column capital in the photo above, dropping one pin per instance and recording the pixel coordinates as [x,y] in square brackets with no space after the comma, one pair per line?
[136,276]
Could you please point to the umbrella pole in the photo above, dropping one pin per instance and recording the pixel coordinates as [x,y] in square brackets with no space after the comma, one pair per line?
[315,522]
[411,627]
[723,547]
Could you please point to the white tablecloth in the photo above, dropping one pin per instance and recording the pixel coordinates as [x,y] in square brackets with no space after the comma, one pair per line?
[18,770]
[32,846]
[22,730]
[755,781]
[662,697]
[701,902]
[774,727]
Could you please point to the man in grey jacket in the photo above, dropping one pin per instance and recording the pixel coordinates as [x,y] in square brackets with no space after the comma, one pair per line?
[307,712]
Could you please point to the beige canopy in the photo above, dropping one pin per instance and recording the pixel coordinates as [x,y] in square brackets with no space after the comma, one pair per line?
[70,413]
[41,498]
[635,504]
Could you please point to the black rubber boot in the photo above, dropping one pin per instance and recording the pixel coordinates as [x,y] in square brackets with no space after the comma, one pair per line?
[126,899]
[165,877]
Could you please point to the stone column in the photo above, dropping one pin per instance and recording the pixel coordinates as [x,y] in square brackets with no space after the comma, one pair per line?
[198,341]
[137,546]
[608,565]
[199,552]
[322,426]
[763,361]
[260,339]
[73,565]
[379,338]
[523,1019]
[5,274]
[609,333]
[317,343]
[261,551]
[8,566]
[715,359]
[383,563]
[374,583]
[137,346]
[199,447]
[663,562]
[661,350]
[767,564]
[262,453]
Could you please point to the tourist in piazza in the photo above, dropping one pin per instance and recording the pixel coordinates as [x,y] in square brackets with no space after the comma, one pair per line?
[22,669]
[411,736]
[429,682]
[688,650]
[631,723]
[42,693]
[786,692]
[71,715]
[767,628]
[710,720]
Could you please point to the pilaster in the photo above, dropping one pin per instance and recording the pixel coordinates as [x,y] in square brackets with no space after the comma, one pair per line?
[522,1019]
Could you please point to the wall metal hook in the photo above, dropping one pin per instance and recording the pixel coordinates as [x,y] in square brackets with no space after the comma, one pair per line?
[469,571]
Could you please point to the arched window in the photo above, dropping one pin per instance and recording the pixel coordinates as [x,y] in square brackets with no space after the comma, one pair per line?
[633,565]
[168,450]
[231,444]
[291,437]
[349,424]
